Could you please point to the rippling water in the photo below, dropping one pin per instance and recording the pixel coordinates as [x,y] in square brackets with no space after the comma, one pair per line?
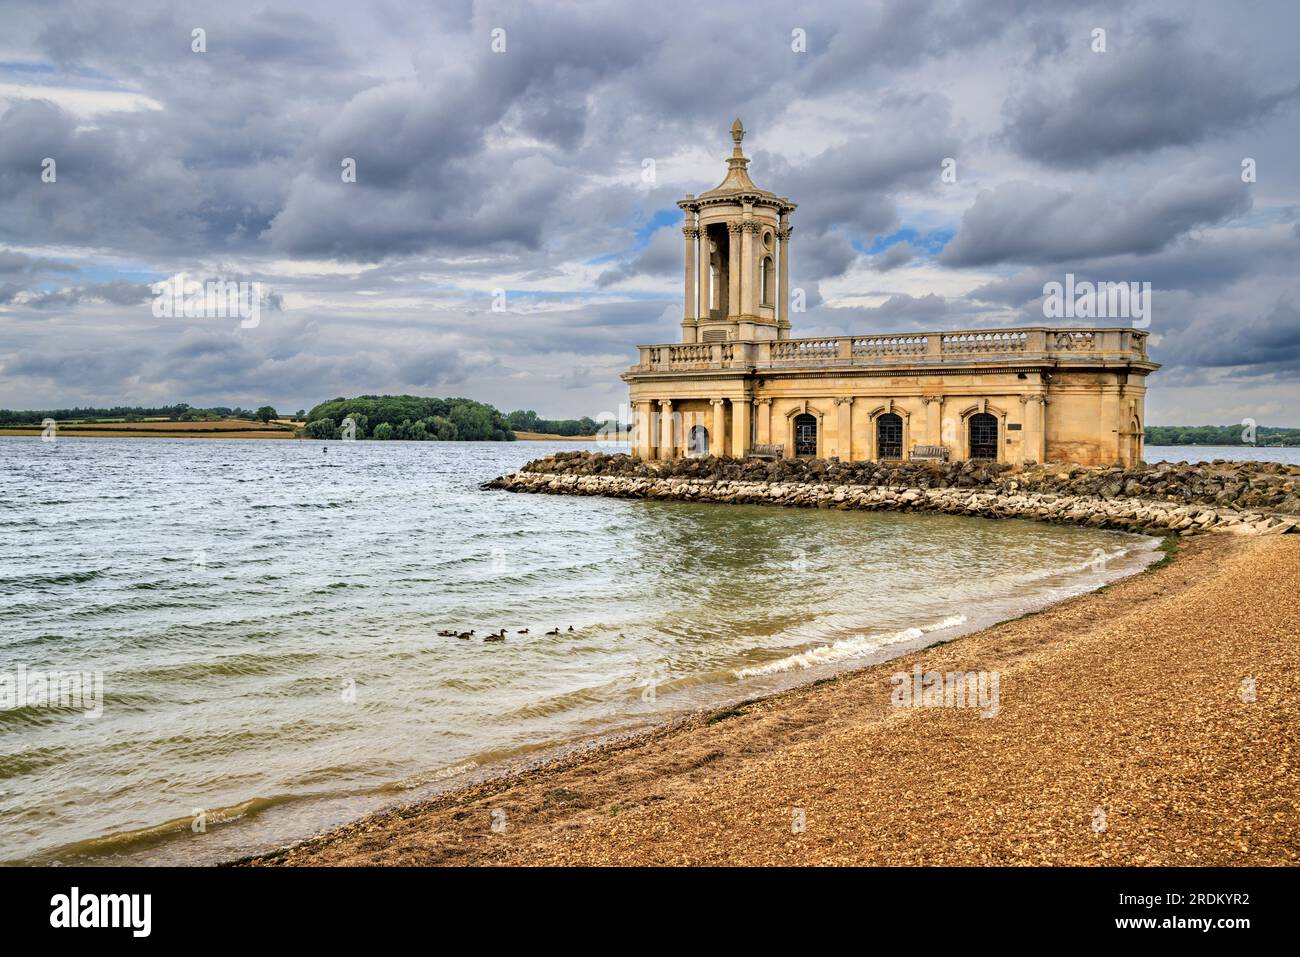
[265,618]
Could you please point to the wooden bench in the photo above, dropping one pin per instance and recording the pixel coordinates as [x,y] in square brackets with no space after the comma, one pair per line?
[930,453]
[766,451]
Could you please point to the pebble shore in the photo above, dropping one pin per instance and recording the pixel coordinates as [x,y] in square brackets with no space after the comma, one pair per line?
[1127,514]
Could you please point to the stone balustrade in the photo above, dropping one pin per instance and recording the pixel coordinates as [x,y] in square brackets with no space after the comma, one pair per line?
[913,349]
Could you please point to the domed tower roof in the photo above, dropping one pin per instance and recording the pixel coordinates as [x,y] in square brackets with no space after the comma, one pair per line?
[737,183]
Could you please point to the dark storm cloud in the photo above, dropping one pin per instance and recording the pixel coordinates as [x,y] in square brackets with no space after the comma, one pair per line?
[663,256]
[435,369]
[901,35]
[899,254]
[15,262]
[1023,222]
[1204,266]
[1264,344]
[1145,92]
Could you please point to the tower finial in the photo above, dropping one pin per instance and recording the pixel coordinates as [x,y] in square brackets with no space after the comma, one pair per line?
[737,134]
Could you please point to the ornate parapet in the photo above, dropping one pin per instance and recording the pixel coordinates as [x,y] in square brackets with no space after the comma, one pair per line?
[917,350]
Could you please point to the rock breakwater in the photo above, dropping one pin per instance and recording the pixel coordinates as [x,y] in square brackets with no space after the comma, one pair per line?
[1155,500]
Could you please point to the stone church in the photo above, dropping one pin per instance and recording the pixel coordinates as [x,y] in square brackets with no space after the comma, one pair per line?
[739,385]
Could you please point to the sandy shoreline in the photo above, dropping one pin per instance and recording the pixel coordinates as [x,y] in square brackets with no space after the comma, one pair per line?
[1122,707]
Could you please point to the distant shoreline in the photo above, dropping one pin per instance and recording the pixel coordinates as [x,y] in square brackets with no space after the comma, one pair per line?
[121,432]
[195,430]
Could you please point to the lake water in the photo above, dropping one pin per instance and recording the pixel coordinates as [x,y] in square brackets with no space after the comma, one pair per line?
[1208,453]
[264,615]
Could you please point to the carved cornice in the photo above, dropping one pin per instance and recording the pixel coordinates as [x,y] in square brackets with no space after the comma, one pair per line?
[759,198]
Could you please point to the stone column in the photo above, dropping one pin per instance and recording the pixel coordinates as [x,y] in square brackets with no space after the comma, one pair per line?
[748,264]
[764,421]
[718,434]
[844,428]
[740,427]
[705,298]
[666,450]
[1110,425]
[1035,440]
[783,288]
[689,331]
[933,420]
[643,446]
[733,270]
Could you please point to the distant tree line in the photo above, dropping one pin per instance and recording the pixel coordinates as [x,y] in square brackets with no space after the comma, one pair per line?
[180,412]
[528,421]
[1219,435]
[409,417]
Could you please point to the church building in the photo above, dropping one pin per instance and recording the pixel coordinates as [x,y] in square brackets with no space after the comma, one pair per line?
[738,384]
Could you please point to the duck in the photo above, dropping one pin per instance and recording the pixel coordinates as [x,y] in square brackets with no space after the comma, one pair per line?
[499,636]
[570,628]
[466,634]
[554,631]
[522,631]
[446,633]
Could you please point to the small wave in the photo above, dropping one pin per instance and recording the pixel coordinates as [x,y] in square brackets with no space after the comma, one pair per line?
[155,834]
[854,647]
[71,578]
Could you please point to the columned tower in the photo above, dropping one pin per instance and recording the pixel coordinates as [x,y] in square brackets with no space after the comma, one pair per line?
[737,258]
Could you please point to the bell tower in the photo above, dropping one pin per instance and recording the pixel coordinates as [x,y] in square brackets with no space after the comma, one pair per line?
[737,258]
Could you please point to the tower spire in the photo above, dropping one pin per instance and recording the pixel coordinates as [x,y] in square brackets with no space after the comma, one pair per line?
[737,178]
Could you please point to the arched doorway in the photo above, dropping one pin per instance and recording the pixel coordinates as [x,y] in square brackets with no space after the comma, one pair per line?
[889,436]
[983,436]
[805,435]
[697,441]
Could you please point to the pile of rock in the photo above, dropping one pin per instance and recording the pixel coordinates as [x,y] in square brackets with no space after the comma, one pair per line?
[1261,486]
[1156,499]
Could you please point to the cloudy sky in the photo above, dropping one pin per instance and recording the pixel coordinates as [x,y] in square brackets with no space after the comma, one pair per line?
[525,170]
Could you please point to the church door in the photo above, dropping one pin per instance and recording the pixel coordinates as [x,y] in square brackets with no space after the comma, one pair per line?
[805,435]
[697,443]
[889,436]
[983,436]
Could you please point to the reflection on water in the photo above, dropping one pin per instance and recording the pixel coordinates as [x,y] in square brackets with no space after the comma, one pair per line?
[266,614]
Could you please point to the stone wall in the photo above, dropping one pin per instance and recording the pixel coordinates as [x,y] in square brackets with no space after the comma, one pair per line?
[1243,498]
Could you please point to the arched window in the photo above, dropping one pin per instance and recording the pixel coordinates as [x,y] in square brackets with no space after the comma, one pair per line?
[983,436]
[768,280]
[889,436]
[697,441]
[805,435]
